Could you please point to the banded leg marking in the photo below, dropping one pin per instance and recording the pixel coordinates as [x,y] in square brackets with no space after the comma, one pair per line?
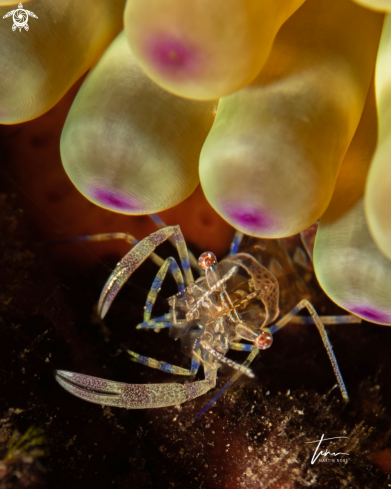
[158,221]
[169,264]
[164,366]
[223,359]
[314,315]
[160,322]
[233,379]
[240,346]
[236,242]
[107,237]
[345,319]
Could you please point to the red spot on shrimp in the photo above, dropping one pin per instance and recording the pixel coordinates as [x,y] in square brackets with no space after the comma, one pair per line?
[371,314]
[114,200]
[249,217]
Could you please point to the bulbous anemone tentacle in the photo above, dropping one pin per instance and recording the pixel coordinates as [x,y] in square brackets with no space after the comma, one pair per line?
[11,2]
[378,189]
[271,159]
[128,145]
[381,5]
[348,264]
[38,69]
[204,50]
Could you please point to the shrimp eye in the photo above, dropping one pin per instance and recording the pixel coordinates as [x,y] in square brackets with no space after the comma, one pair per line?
[207,260]
[264,340]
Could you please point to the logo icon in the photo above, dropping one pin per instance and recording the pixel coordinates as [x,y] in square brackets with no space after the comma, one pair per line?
[20,17]
[321,455]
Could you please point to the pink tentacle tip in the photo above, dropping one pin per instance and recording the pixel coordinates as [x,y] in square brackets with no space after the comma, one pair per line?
[114,200]
[371,314]
[171,55]
[249,218]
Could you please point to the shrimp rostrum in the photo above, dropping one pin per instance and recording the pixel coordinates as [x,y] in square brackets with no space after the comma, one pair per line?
[210,314]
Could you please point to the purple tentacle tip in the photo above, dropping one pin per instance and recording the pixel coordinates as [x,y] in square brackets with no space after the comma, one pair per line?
[371,314]
[249,217]
[171,55]
[114,200]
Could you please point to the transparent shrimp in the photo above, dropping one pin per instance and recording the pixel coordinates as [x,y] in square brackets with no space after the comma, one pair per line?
[208,313]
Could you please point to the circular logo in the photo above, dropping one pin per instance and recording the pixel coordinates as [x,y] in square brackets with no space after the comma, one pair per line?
[20,18]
